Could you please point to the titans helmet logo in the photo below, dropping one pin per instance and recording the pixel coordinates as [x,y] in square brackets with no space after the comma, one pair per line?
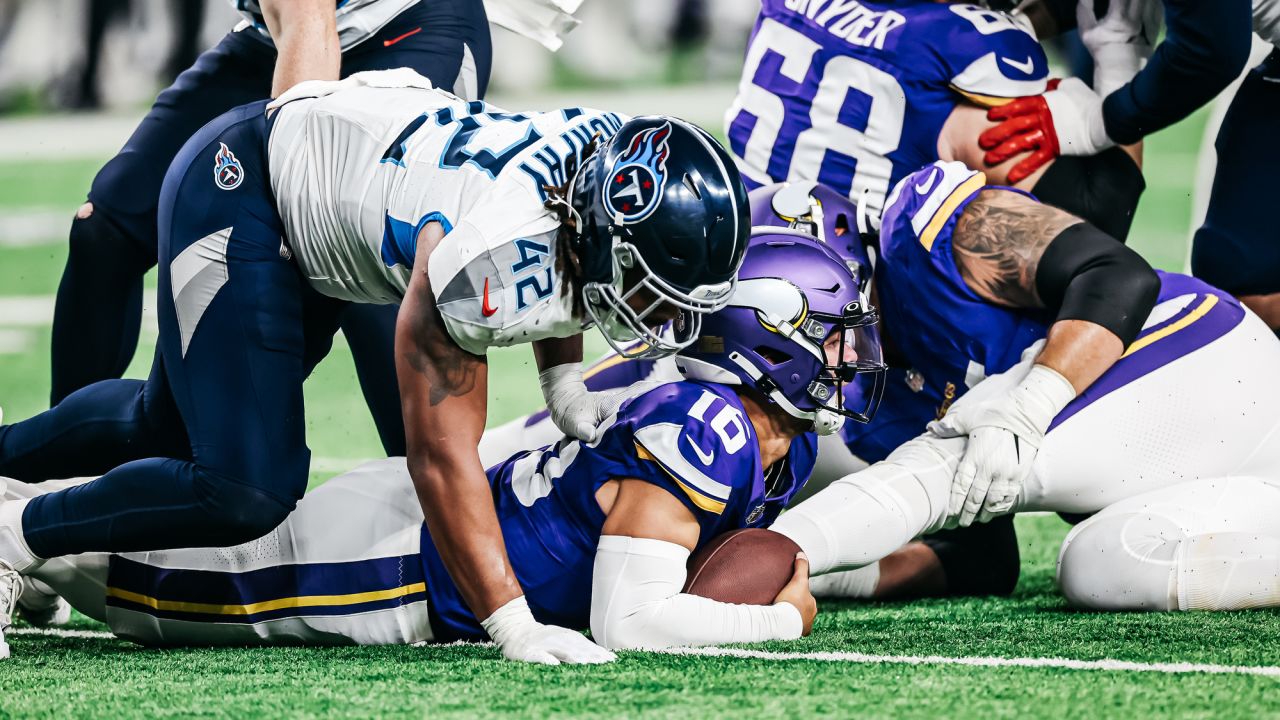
[227,172]
[638,176]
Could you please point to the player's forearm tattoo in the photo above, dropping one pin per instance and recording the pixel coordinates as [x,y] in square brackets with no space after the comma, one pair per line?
[450,370]
[998,242]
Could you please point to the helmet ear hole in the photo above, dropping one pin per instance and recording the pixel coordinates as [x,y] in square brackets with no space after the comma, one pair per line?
[842,225]
[773,355]
[693,187]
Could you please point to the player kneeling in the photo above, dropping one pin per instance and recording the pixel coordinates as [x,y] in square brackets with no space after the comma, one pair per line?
[1174,447]
[598,533]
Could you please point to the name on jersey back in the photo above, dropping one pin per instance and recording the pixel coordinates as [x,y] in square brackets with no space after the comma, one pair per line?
[849,20]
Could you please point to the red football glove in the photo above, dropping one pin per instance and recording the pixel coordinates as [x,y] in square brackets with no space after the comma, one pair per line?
[1026,125]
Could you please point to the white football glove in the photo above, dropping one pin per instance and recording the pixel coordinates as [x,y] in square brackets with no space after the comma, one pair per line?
[524,639]
[577,411]
[1004,436]
[1076,112]
[1121,41]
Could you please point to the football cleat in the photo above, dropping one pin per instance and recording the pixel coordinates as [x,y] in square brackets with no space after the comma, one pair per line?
[41,606]
[10,588]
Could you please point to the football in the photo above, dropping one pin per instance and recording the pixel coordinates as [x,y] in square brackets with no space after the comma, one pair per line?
[749,566]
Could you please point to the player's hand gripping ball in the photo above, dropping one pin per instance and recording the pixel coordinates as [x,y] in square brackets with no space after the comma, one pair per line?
[753,566]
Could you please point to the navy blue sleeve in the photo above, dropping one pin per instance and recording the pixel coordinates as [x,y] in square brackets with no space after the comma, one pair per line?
[1206,46]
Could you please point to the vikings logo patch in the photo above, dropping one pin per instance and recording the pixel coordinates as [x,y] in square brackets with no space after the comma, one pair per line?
[227,172]
[638,176]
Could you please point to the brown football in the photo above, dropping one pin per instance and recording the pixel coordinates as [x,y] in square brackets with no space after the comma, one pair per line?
[749,566]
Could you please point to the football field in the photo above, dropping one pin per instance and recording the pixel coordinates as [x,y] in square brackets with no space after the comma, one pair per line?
[1026,656]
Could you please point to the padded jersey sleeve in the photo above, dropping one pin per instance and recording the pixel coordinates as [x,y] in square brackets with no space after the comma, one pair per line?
[989,58]
[696,444]
[920,208]
[499,294]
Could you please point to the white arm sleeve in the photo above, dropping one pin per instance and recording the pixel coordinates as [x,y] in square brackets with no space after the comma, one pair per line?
[863,517]
[636,602]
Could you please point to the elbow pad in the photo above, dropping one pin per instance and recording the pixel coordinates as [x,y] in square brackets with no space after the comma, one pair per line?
[1088,275]
[1103,189]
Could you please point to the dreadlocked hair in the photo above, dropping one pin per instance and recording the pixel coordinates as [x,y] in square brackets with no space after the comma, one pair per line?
[559,202]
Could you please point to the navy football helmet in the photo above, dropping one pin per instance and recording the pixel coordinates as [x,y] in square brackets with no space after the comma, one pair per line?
[662,220]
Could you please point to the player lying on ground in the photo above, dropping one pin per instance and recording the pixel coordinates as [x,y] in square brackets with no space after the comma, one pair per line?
[962,300]
[1175,446]
[598,533]
[857,96]
[491,229]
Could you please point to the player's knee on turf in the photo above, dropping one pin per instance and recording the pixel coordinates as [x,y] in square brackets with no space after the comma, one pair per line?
[237,513]
[1121,561]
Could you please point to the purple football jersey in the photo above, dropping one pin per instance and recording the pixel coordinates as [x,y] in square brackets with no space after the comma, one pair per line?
[956,338]
[854,94]
[692,439]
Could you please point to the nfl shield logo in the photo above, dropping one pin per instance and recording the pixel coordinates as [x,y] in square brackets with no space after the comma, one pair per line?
[227,172]
[638,176]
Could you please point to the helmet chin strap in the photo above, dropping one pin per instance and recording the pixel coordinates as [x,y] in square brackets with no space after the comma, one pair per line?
[825,422]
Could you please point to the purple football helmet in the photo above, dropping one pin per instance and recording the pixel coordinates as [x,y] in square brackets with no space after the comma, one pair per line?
[798,328]
[823,213]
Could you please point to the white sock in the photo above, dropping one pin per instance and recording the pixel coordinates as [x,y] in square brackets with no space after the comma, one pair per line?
[13,546]
[859,583]
[1228,571]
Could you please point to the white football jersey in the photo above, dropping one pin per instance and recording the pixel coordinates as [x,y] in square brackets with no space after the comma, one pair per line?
[1266,20]
[358,167]
[358,20]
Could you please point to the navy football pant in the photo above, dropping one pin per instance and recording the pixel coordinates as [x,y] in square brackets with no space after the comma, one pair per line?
[1238,247]
[212,446]
[99,305]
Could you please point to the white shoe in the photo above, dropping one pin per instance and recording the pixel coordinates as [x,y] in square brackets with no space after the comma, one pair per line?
[41,606]
[10,589]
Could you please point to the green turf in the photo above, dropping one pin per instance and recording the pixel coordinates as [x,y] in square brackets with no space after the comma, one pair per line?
[77,677]
[61,183]
[54,677]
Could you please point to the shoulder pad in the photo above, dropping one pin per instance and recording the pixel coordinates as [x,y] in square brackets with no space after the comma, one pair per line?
[992,59]
[701,441]
[922,202]
[485,290]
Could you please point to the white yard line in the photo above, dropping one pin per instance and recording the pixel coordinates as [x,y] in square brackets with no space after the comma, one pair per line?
[42,138]
[29,227]
[26,310]
[1107,665]
[16,342]
[58,632]
[36,311]
[1178,668]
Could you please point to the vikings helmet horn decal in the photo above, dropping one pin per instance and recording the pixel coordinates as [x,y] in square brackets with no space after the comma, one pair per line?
[638,176]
